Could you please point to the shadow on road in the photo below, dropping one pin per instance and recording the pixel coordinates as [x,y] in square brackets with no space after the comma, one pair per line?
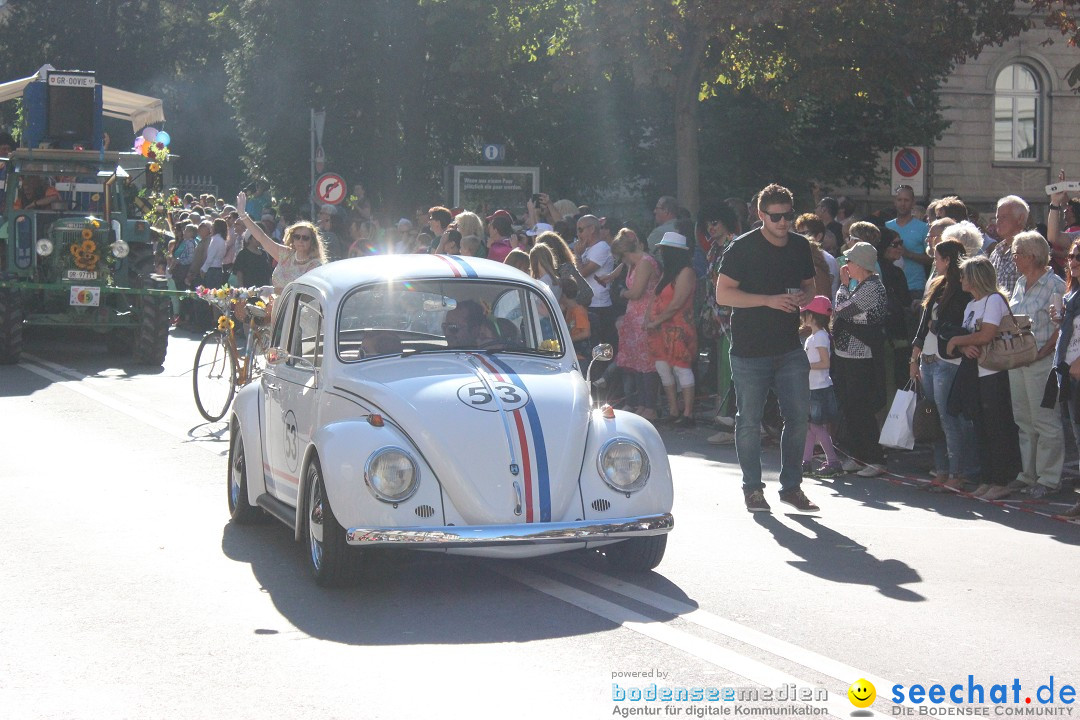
[415,598]
[834,556]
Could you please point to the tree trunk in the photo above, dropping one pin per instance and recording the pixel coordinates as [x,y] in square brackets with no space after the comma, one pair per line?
[686,153]
[687,89]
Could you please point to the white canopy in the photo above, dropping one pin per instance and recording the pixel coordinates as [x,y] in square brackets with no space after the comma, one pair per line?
[141,110]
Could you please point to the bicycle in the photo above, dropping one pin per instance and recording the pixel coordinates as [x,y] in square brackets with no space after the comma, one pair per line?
[219,370]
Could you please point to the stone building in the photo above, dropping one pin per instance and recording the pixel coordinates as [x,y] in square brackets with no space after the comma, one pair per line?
[1015,122]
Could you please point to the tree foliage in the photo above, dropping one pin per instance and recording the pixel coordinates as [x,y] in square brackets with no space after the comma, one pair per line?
[650,95]
[810,69]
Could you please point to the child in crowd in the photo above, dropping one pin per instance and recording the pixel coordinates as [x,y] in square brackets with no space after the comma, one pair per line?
[577,317]
[823,405]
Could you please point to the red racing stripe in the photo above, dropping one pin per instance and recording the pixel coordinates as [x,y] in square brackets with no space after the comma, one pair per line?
[526,462]
[453,267]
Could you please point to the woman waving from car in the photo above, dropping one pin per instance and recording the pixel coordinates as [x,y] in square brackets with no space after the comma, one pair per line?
[301,250]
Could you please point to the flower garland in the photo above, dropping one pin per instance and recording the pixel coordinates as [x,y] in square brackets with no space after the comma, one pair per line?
[238,300]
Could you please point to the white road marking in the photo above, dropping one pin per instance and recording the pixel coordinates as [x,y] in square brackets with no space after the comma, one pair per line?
[704,618]
[753,670]
[73,380]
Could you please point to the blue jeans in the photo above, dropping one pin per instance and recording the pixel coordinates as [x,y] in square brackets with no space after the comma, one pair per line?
[958,451]
[788,376]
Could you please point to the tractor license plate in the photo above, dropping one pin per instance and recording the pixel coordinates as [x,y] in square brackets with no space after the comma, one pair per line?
[81,275]
[85,296]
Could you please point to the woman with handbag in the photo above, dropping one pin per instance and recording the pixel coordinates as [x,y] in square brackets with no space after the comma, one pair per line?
[943,307]
[1042,439]
[984,394]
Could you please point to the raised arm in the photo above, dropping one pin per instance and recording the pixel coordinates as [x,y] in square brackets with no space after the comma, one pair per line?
[274,249]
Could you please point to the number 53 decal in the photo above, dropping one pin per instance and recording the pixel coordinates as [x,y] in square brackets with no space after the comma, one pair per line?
[477,395]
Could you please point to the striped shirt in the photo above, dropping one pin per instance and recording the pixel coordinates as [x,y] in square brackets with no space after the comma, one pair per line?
[1035,303]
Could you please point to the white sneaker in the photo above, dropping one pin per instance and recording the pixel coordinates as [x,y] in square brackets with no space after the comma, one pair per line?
[851,466]
[721,438]
[725,423]
[871,471]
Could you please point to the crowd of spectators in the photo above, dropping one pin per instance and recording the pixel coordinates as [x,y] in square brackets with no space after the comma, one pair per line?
[907,294]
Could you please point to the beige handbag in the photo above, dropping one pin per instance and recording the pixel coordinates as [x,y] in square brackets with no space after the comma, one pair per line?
[1012,347]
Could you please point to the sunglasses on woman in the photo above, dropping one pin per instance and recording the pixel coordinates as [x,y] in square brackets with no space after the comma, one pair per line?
[296,237]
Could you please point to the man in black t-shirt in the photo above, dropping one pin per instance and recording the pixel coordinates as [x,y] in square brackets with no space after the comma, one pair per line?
[766,276]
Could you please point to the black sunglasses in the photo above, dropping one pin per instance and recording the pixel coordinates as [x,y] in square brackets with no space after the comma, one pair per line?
[1073,256]
[777,217]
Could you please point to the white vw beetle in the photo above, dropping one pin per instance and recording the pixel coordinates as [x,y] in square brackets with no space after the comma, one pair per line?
[435,402]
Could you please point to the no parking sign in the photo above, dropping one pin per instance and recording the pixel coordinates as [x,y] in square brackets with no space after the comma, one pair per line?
[909,168]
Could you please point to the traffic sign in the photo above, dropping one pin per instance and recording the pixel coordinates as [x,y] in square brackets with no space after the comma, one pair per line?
[909,168]
[908,162]
[330,189]
[494,153]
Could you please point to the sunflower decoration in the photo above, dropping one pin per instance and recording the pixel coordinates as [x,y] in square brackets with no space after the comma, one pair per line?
[85,254]
[224,323]
[550,345]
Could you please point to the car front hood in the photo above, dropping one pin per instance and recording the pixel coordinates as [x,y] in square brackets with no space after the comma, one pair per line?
[504,434]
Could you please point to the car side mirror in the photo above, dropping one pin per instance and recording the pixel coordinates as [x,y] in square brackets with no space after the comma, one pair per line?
[603,352]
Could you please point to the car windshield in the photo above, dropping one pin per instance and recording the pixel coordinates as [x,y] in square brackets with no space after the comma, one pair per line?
[409,317]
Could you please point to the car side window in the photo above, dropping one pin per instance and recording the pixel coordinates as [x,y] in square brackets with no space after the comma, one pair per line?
[284,318]
[306,343]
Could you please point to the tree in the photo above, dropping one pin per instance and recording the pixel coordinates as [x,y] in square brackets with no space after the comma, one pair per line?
[869,59]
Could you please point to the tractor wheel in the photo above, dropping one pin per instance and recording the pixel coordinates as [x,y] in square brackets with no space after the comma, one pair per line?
[11,327]
[152,333]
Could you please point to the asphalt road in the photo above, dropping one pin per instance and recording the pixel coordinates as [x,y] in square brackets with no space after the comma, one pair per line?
[126,593]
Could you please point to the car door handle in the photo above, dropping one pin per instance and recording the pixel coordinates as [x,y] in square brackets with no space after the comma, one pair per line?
[272,387]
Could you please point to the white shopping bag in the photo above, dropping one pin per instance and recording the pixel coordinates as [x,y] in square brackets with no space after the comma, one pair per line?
[897,431]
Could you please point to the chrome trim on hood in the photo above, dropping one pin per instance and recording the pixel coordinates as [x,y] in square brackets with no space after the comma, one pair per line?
[523,534]
[484,378]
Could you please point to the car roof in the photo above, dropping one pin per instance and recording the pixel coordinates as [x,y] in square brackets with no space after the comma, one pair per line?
[339,277]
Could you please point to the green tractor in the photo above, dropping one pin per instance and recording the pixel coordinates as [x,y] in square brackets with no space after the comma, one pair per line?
[69,254]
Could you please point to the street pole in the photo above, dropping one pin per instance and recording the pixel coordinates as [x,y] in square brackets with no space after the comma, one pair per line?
[311,184]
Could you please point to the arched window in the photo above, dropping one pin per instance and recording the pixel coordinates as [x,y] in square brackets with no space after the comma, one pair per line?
[1017,107]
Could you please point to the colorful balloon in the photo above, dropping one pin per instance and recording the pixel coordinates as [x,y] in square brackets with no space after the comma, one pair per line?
[150,133]
[139,142]
[164,138]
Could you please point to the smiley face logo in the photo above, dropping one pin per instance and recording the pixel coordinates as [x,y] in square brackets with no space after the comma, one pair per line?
[862,693]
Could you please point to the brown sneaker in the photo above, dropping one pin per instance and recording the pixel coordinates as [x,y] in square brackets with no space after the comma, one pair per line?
[756,502]
[797,499]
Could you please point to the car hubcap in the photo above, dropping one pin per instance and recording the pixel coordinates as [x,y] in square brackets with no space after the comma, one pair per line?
[315,521]
[237,474]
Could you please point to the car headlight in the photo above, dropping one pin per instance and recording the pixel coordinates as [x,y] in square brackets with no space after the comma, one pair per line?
[624,465]
[391,475]
[44,247]
[120,249]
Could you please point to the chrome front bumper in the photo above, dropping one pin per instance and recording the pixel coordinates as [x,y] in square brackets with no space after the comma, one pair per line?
[520,534]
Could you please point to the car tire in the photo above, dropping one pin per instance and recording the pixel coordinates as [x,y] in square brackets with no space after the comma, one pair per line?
[637,554]
[11,327]
[241,511]
[330,558]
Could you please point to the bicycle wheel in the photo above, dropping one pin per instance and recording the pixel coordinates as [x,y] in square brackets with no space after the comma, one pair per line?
[213,378]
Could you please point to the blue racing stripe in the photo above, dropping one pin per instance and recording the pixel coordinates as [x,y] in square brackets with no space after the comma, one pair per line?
[469,272]
[543,483]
